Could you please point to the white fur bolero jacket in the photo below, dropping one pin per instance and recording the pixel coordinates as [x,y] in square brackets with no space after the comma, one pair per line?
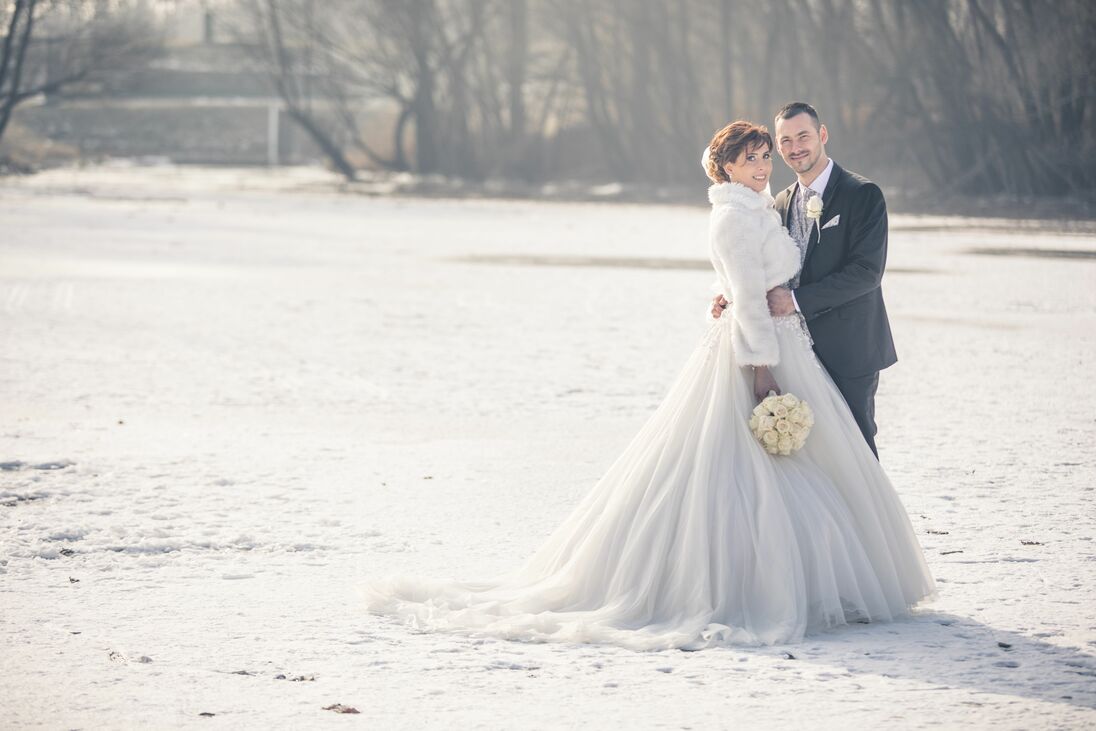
[752,253]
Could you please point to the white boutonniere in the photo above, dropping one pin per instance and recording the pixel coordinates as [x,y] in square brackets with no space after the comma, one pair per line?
[814,210]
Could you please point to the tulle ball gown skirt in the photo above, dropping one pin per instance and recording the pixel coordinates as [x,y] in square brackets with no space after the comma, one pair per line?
[697,537]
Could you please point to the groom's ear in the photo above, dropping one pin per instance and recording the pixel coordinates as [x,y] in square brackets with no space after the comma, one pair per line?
[823,134]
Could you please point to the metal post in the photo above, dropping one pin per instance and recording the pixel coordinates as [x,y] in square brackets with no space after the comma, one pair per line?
[272,113]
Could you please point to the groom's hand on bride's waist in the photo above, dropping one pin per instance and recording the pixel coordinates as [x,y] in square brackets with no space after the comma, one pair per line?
[781,302]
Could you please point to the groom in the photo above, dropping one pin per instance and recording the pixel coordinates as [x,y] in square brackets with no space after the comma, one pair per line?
[843,242]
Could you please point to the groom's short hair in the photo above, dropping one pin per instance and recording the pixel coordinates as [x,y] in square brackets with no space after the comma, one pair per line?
[794,109]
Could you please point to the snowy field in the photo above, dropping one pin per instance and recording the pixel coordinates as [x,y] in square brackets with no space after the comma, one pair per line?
[228,397]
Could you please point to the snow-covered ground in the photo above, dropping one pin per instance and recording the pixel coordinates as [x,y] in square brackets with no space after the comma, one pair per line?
[227,397]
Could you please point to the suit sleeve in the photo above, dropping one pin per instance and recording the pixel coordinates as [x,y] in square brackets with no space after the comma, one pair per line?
[863,268]
[754,335]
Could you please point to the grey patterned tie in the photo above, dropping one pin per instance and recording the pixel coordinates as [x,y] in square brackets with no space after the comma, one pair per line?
[803,232]
[800,228]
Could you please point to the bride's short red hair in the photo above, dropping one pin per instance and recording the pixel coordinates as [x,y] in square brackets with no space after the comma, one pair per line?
[730,142]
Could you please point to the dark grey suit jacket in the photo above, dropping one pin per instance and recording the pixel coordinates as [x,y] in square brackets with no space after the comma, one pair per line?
[839,289]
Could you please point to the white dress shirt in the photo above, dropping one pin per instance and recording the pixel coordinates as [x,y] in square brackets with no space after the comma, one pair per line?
[819,183]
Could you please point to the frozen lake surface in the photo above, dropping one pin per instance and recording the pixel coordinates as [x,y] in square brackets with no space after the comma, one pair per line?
[228,397]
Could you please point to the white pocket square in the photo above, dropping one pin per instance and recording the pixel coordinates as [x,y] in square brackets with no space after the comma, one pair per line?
[832,222]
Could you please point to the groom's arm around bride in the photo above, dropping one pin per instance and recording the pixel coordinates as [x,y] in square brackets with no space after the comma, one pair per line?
[856,255]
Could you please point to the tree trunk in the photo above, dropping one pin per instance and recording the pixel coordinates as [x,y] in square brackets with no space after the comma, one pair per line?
[423,105]
[331,150]
[11,64]
[515,67]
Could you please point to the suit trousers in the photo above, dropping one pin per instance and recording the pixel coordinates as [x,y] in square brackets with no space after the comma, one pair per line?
[859,394]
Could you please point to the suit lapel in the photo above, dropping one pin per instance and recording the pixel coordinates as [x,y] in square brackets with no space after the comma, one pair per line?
[788,203]
[827,197]
[831,185]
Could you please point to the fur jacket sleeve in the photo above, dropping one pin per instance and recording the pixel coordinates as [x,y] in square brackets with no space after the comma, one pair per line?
[752,253]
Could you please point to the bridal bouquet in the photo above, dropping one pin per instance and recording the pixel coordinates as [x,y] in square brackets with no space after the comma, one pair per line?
[781,423]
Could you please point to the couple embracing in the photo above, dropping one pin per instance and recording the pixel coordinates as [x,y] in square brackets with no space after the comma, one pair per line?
[838,221]
[697,536]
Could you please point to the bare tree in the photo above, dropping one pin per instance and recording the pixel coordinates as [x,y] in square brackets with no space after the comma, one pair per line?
[282,36]
[455,71]
[990,95]
[20,25]
[56,47]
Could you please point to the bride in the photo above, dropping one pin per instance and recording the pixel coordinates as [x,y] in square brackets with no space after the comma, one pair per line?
[696,536]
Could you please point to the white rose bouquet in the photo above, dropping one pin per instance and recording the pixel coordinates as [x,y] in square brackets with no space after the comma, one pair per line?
[782,423]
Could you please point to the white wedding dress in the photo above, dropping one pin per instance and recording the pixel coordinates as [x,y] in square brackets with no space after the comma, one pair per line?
[696,536]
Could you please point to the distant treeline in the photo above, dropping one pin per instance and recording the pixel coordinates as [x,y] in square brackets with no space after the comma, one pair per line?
[957,96]
[968,96]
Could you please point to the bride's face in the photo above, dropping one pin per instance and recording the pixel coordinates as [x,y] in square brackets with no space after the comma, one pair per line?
[752,168]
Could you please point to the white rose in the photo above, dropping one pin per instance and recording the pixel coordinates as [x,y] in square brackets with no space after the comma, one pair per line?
[814,208]
[783,426]
[768,423]
[789,400]
[780,410]
[754,421]
[770,439]
[784,444]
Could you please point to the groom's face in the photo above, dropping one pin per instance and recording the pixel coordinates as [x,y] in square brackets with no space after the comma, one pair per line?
[800,143]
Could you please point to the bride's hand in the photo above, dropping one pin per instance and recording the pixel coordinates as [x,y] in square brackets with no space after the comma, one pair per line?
[719,303]
[763,383]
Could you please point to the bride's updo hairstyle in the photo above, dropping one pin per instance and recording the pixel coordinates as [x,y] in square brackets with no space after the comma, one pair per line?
[730,142]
